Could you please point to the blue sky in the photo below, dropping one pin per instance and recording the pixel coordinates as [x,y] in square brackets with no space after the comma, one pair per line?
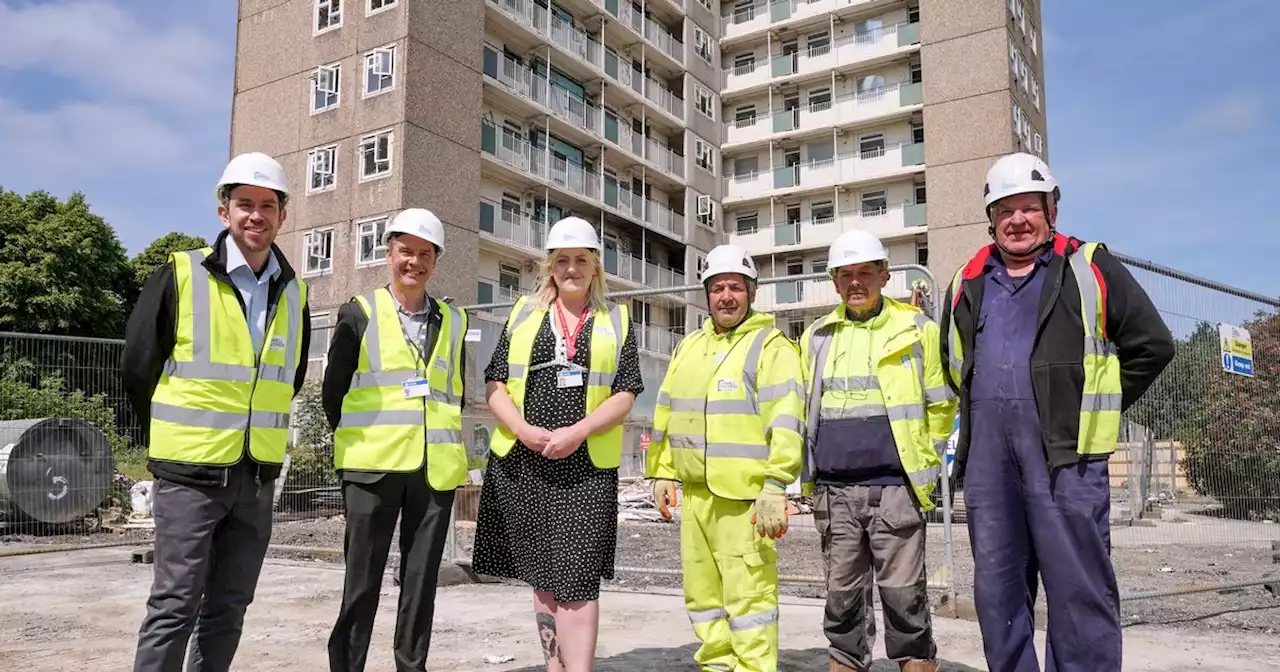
[1162,120]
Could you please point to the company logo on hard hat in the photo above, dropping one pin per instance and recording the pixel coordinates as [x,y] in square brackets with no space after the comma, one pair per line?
[258,175]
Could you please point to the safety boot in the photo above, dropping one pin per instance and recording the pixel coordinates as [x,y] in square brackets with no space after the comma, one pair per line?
[834,665]
[918,666]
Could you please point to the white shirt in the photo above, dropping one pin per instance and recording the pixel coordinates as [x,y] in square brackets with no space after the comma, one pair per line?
[253,288]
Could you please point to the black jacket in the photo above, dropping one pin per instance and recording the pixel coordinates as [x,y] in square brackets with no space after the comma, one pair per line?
[344,358]
[149,341]
[1144,344]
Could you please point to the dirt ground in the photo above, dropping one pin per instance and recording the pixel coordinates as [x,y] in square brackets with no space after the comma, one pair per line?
[81,610]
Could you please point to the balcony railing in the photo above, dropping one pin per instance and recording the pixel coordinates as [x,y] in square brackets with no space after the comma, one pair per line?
[662,340]
[666,160]
[656,34]
[880,160]
[492,291]
[885,221]
[507,224]
[843,50]
[845,109]
[524,82]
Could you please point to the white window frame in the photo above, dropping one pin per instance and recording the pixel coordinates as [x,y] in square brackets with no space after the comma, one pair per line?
[316,164]
[706,4]
[316,29]
[702,44]
[334,72]
[705,212]
[308,242]
[1033,36]
[701,93]
[701,149]
[372,139]
[825,204]
[371,223]
[320,325]
[369,9]
[1039,144]
[753,216]
[373,64]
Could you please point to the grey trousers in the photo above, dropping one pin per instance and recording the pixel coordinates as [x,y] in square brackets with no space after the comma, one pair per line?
[866,530]
[210,543]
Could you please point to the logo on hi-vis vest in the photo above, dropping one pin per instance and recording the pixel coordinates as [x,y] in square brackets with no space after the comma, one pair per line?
[277,343]
[726,386]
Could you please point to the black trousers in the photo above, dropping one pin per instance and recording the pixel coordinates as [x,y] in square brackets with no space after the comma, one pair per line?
[372,509]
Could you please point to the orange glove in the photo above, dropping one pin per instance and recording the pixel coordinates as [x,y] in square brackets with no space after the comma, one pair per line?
[664,495]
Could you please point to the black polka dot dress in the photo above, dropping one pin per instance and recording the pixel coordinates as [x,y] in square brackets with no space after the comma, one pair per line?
[552,523]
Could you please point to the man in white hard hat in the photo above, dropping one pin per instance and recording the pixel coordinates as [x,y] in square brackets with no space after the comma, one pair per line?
[729,426]
[879,414]
[214,353]
[393,393]
[1049,339]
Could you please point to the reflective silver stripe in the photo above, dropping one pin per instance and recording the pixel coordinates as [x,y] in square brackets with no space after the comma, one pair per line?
[786,421]
[657,436]
[742,450]
[380,418]
[529,305]
[455,353]
[940,446]
[1088,284]
[751,367]
[718,667]
[516,371]
[372,340]
[935,395]
[444,436]
[209,371]
[1093,346]
[194,417]
[863,411]
[756,620]
[603,379]
[615,316]
[687,441]
[819,347]
[713,407]
[905,412]
[269,420]
[201,331]
[707,615]
[1101,402]
[850,384]
[664,399]
[382,379]
[293,296]
[779,390]
[278,374]
[925,476]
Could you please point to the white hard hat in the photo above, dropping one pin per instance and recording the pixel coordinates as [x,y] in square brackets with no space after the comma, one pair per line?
[855,247]
[417,222]
[728,259]
[572,232]
[1019,173]
[253,168]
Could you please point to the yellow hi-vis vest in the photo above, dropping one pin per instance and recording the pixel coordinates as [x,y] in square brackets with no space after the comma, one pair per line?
[216,397]
[608,334]
[908,386]
[1101,401]
[731,417]
[384,431]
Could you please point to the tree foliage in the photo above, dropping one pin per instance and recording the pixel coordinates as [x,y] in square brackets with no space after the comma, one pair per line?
[311,455]
[62,268]
[1233,440]
[1171,401]
[158,252]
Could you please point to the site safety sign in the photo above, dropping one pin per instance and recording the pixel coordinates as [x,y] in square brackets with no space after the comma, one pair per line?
[1237,349]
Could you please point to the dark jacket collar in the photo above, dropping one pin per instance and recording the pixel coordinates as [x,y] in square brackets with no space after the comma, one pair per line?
[216,262]
[1062,246]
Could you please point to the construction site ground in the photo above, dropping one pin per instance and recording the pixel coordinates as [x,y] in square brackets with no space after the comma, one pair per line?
[81,610]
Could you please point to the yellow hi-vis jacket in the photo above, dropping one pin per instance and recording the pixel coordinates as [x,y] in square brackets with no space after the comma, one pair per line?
[216,396]
[384,430]
[730,411]
[608,334]
[908,386]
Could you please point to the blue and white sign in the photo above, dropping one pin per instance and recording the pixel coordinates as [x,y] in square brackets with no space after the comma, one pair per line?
[951,446]
[1237,349]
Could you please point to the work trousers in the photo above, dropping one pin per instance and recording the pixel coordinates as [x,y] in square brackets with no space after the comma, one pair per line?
[866,529]
[209,547]
[372,509]
[730,583]
[1026,519]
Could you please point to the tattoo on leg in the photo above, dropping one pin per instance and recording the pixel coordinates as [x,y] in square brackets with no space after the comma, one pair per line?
[547,635]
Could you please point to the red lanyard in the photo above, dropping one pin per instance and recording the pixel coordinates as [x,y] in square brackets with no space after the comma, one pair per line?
[571,340]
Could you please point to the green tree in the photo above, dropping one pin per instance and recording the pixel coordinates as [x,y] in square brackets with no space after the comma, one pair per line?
[62,268]
[1233,443]
[158,252]
[1173,399]
[311,455]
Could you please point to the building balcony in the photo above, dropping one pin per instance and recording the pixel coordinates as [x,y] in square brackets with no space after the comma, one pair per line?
[512,229]
[491,291]
[667,46]
[588,53]
[850,109]
[601,190]
[628,268]
[660,340]
[887,223]
[844,53]
[742,21]
[531,87]
[875,164]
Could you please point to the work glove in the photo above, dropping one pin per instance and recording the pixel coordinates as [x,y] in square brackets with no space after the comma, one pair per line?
[770,517]
[664,495]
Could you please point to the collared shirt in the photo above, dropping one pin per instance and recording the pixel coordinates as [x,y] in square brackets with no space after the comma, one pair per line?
[1006,331]
[253,287]
[421,328]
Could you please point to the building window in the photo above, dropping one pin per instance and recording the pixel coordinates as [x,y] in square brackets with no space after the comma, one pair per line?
[1035,92]
[744,64]
[921,193]
[1039,145]
[706,212]
[328,15]
[871,145]
[318,349]
[922,254]
[376,6]
[707,4]
[748,223]
[820,99]
[704,101]
[917,75]
[509,279]
[325,86]
[822,212]
[917,132]
[704,155]
[1034,38]
[818,44]
[371,247]
[321,166]
[699,263]
[319,251]
[795,328]
[744,116]
[375,155]
[913,14]
[702,44]
[874,203]
[379,71]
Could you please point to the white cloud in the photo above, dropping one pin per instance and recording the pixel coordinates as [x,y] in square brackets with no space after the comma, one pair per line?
[106,50]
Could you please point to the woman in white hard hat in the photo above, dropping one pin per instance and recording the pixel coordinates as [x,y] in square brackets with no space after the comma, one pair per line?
[563,377]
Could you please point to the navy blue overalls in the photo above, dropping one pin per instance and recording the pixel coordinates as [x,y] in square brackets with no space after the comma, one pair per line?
[1024,519]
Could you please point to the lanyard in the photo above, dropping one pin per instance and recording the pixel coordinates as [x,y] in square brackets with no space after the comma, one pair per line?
[413,343]
[571,340]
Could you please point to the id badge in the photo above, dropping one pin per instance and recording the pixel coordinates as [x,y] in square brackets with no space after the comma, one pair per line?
[569,379]
[413,389]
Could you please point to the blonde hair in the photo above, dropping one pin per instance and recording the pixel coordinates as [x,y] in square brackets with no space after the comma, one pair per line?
[548,291]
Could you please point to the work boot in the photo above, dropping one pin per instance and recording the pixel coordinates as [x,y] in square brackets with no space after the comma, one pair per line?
[834,665]
[918,666]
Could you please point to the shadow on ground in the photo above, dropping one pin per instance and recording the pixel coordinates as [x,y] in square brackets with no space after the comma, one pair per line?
[681,660]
